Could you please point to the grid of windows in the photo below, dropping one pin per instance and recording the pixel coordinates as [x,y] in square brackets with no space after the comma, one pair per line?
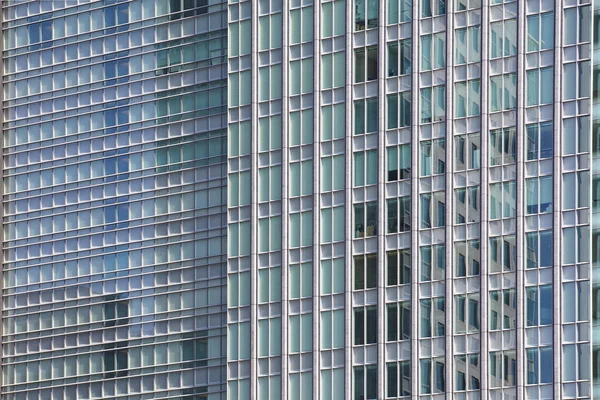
[442,180]
[114,199]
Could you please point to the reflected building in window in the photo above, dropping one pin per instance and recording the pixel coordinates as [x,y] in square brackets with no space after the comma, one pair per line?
[343,199]
[415,181]
[114,192]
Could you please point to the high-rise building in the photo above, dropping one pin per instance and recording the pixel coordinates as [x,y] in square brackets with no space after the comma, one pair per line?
[114,199]
[290,199]
[409,210]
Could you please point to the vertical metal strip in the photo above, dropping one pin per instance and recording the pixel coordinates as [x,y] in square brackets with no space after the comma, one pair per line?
[414,203]
[348,208]
[316,300]
[285,67]
[557,206]
[254,210]
[520,186]
[484,200]
[449,210]
[381,202]
[2,196]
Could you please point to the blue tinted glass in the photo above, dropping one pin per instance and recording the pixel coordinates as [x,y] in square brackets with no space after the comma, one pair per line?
[110,166]
[109,214]
[123,67]
[110,118]
[34,33]
[545,305]
[46,30]
[110,69]
[546,249]
[109,17]
[546,364]
[123,212]
[122,13]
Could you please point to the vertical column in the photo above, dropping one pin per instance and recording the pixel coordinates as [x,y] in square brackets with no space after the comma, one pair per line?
[594,142]
[254,205]
[414,202]
[557,204]
[449,193]
[520,185]
[348,207]
[285,268]
[254,209]
[2,197]
[240,194]
[484,201]
[316,300]
[381,203]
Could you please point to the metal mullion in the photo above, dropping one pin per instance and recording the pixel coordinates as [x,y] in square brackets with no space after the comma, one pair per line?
[414,175]
[484,202]
[520,201]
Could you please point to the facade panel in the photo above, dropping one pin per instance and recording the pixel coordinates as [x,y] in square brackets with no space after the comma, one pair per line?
[114,192]
[433,159]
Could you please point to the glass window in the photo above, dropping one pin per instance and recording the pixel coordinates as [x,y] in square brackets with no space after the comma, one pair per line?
[503,368]
[399,110]
[333,69]
[467,372]
[398,215]
[333,122]
[365,219]
[433,51]
[503,38]
[365,64]
[503,92]
[365,116]
[399,57]
[467,42]
[432,263]
[398,321]
[398,162]
[432,210]
[432,8]
[432,317]
[467,152]
[467,98]
[365,271]
[539,140]
[539,365]
[503,309]
[462,5]
[540,32]
[540,86]
[365,14]
[466,313]
[503,253]
[503,146]
[433,157]
[365,168]
[365,325]
[432,375]
[398,267]
[332,224]
[539,305]
[333,19]
[539,195]
[467,258]
[399,11]
[398,379]
[539,249]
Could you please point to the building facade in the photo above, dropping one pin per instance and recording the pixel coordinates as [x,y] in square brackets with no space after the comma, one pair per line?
[114,129]
[344,199]
[409,199]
